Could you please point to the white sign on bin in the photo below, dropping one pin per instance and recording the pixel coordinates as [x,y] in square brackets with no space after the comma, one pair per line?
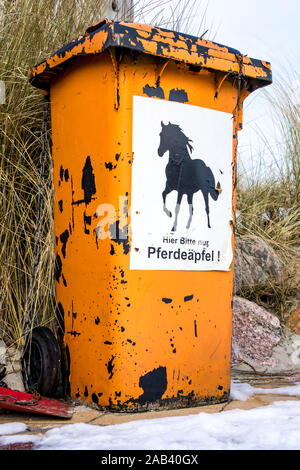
[181,207]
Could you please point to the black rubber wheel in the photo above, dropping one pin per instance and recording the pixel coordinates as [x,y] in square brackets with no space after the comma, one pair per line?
[42,362]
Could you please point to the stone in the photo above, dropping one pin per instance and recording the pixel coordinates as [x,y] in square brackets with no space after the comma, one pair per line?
[255,332]
[13,377]
[255,263]
[293,322]
[286,354]
[2,353]
[260,344]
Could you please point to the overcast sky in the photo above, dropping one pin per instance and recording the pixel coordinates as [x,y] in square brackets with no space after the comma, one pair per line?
[267,29]
[262,29]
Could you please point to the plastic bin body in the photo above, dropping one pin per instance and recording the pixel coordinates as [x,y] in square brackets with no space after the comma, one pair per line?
[136,338]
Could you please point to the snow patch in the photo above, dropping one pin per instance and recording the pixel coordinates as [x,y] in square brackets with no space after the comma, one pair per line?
[12,428]
[272,427]
[243,391]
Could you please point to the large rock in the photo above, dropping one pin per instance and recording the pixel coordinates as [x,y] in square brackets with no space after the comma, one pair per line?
[255,333]
[286,354]
[259,343]
[256,263]
[10,360]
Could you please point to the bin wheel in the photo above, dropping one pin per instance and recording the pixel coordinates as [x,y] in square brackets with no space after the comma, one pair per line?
[42,362]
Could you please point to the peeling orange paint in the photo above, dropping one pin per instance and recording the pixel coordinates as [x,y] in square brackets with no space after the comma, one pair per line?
[154,41]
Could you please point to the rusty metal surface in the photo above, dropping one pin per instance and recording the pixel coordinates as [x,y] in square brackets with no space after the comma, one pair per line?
[33,404]
[129,348]
[135,340]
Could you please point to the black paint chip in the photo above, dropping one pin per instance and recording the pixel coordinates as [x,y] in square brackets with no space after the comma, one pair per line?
[188,297]
[95,398]
[154,384]
[110,367]
[88,181]
[64,238]
[58,267]
[152,91]
[179,95]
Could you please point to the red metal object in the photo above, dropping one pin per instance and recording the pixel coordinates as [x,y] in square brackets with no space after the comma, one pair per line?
[18,446]
[33,403]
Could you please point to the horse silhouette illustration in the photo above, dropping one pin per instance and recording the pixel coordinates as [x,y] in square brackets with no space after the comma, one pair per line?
[184,174]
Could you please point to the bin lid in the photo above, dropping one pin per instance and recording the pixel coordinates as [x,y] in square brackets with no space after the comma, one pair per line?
[155,41]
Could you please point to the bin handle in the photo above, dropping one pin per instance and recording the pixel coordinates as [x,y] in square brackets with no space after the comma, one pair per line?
[96,26]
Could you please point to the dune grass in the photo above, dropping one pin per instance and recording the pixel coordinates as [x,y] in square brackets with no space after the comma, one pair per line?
[29,32]
[269,205]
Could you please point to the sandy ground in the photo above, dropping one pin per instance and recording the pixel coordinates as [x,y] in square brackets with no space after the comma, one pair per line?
[85,414]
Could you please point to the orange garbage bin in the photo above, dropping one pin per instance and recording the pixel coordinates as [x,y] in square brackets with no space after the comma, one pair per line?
[144,130]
